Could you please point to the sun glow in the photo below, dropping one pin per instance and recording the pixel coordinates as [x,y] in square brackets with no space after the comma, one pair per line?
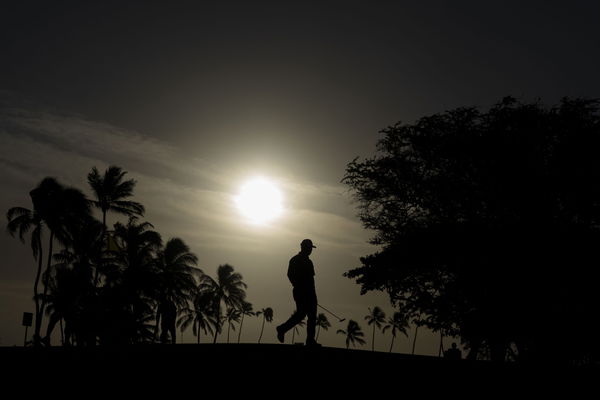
[260,201]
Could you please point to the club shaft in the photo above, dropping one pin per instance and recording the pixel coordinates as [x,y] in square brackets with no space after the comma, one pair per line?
[329,311]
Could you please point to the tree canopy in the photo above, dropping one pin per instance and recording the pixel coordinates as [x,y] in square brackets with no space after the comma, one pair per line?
[487,224]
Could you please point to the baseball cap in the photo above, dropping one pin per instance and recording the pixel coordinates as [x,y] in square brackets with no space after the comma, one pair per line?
[308,243]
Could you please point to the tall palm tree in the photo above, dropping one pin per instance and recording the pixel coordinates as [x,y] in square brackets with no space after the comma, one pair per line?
[111,191]
[71,288]
[267,314]
[245,310]
[322,322]
[376,317]
[417,322]
[232,316]
[296,329]
[201,315]
[228,289]
[354,334]
[131,289]
[57,207]
[176,272]
[22,220]
[398,323]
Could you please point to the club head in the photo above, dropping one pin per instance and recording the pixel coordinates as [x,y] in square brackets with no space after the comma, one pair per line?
[342,320]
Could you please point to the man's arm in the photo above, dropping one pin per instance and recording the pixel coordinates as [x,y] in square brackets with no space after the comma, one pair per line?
[292,273]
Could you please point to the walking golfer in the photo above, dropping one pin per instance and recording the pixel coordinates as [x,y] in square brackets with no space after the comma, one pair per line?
[301,274]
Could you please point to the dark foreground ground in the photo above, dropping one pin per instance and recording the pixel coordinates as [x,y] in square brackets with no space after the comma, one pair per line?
[271,370]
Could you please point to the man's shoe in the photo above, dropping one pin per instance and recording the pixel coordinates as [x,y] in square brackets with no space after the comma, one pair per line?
[280,334]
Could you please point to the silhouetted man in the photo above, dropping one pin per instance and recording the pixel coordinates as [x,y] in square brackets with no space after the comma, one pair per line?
[168,314]
[301,274]
[454,353]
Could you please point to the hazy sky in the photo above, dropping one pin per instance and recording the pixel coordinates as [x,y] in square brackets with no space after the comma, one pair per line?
[194,98]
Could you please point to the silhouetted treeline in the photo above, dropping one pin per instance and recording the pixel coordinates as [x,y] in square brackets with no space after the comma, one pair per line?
[490,224]
[113,286]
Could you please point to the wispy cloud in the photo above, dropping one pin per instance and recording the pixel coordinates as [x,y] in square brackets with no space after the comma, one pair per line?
[184,196]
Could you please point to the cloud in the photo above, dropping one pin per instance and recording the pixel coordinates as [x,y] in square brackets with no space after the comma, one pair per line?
[184,196]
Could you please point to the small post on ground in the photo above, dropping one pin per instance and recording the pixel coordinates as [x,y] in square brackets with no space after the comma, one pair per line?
[27,319]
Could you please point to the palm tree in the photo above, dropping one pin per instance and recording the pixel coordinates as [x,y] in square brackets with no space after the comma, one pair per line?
[176,274]
[376,317]
[22,220]
[417,323]
[267,314]
[110,191]
[57,207]
[131,289]
[245,310]
[398,323]
[296,329]
[354,334]
[229,289]
[71,288]
[200,316]
[322,322]
[231,317]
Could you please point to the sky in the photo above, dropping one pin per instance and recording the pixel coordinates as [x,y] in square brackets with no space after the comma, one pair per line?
[193,99]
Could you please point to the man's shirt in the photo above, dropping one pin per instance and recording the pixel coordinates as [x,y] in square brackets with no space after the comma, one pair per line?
[301,272]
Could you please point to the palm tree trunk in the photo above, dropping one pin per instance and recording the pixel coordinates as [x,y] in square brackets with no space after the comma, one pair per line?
[373,341]
[241,324]
[441,351]
[262,329]
[36,298]
[318,330]
[415,339]
[156,326]
[228,329]
[62,334]
[45,282]
[104,237]
[392,345]
[217,328]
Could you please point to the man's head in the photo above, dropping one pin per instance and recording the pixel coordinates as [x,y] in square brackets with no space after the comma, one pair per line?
[306,246]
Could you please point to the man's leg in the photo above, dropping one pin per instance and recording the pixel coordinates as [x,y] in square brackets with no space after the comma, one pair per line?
[311,323]
[296,317]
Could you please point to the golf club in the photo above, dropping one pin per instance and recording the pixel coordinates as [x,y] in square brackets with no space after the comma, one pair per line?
[339,319]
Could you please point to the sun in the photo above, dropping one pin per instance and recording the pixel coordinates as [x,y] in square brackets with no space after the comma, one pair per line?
[260,201]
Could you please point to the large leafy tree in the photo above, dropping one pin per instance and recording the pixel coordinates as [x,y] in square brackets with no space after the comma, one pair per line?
[487,223]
